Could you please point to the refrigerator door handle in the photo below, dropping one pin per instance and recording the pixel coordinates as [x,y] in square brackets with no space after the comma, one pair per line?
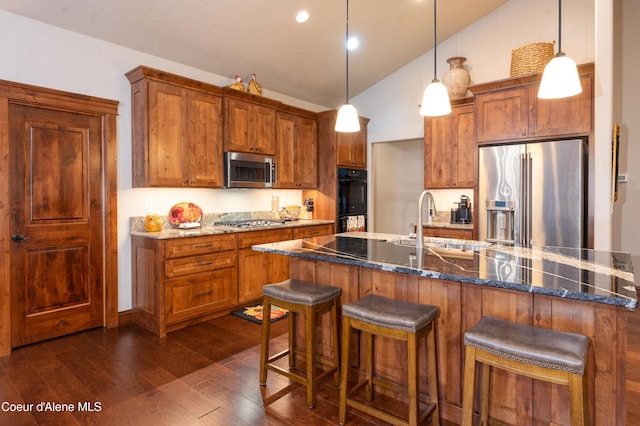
[522,238]
[529,199]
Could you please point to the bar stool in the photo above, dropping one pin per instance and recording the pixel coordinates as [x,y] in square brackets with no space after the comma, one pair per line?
[409,322]
[309,299]
[549,355]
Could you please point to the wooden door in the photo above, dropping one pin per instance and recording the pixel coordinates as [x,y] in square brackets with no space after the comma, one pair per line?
[168,135]
[306,153]
[205,140]
[437,152]
[262,130]
[236,125]
[57,228]
[285,150]
[464,147]
[502,115]
[565,116]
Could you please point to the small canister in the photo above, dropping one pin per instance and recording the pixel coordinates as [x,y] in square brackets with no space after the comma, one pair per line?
[153,223]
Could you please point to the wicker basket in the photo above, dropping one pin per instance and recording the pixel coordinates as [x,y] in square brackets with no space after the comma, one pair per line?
[531,58]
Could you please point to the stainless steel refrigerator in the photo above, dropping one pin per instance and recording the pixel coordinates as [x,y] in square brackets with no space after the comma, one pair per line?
[533,194]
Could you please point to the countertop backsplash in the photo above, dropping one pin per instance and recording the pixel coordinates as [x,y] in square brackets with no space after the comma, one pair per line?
[208,219]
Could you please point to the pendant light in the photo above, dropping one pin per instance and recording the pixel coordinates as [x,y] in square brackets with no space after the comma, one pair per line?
[560,78]
[348,120]
[435,101]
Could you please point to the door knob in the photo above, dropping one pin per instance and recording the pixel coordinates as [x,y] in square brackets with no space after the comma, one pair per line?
[19,237]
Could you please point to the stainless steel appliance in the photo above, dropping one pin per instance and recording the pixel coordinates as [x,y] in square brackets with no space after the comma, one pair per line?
[242,170]
[533,194]
[352,200]
[462,213]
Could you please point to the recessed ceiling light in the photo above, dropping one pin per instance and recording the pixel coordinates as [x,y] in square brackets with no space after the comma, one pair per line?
[302,16]
[352,43]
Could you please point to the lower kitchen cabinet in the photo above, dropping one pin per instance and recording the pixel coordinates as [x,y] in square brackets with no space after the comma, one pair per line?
[312,231]
[180,281]
[460,234]
[257,268]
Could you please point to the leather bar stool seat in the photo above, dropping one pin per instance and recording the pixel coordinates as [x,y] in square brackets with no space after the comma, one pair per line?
[376,315]
[310,300]
[549,355]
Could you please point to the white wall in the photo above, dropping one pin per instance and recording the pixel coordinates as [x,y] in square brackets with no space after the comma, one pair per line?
[626,228]
[47,56]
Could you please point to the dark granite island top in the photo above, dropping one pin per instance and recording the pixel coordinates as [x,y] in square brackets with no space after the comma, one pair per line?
[590,275]
[582,291]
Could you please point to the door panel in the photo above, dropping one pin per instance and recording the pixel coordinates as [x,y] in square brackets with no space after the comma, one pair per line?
[56,198]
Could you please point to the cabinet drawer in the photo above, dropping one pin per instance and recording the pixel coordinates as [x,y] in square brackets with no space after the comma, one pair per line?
[248,239]
[195,264]
[461,234]
[312,231]
[200,294]
[179,247]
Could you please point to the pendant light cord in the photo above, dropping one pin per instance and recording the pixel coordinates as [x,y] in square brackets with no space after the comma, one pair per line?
[346,48]
[559,26]
[435,42]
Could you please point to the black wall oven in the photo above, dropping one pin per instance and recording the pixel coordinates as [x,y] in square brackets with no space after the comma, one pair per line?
[352,200]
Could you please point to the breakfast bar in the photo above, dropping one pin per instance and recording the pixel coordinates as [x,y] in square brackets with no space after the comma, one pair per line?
[582,291]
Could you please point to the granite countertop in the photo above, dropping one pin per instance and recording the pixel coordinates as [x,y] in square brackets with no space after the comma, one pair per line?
[582,274]
[207,226]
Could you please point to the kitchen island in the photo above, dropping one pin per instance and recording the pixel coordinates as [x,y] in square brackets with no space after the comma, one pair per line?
[577,290]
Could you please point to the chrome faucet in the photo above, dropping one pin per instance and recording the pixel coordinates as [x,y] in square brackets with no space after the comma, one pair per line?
[431,204]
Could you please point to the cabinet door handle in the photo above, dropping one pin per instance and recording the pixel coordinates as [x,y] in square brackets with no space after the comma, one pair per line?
[204,264]
[206,293]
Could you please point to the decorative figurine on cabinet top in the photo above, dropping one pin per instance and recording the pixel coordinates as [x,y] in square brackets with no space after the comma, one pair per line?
[237,85]
[254,87]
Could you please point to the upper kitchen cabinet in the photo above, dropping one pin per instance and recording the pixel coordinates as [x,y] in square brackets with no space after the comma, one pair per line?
[296,148]
[351,148]
[510,110]
[250,123]
[176,130]
[449,148]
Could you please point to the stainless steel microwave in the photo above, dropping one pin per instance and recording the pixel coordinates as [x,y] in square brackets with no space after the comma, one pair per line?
[242,170]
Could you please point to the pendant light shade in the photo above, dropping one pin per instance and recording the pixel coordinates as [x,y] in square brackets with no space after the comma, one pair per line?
[560,77]
[435,101]
[347,120]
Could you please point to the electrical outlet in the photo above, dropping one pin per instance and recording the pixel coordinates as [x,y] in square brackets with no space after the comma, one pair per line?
[148,206]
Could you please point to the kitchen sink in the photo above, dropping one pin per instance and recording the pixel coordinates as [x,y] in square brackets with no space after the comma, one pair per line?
[442,243]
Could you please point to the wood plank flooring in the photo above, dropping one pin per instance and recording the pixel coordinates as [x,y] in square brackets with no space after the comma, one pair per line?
[206,374]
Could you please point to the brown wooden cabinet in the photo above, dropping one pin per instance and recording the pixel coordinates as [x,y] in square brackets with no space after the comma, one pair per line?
[250,123]
[312,231]
[330,143]
[179,281]
[351,148]
[449,149]
[257,268]
[460,234]
[296,149]
[515,113]
[176,131]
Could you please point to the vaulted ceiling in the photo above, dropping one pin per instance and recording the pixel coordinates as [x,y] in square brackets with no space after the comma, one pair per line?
[229,37]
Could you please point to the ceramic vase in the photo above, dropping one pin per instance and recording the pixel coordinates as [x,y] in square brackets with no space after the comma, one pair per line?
[456,79]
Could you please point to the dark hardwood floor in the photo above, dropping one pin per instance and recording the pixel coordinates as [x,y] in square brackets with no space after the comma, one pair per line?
[206,374]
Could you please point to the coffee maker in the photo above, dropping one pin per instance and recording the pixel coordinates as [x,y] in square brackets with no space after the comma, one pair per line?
[462,214]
